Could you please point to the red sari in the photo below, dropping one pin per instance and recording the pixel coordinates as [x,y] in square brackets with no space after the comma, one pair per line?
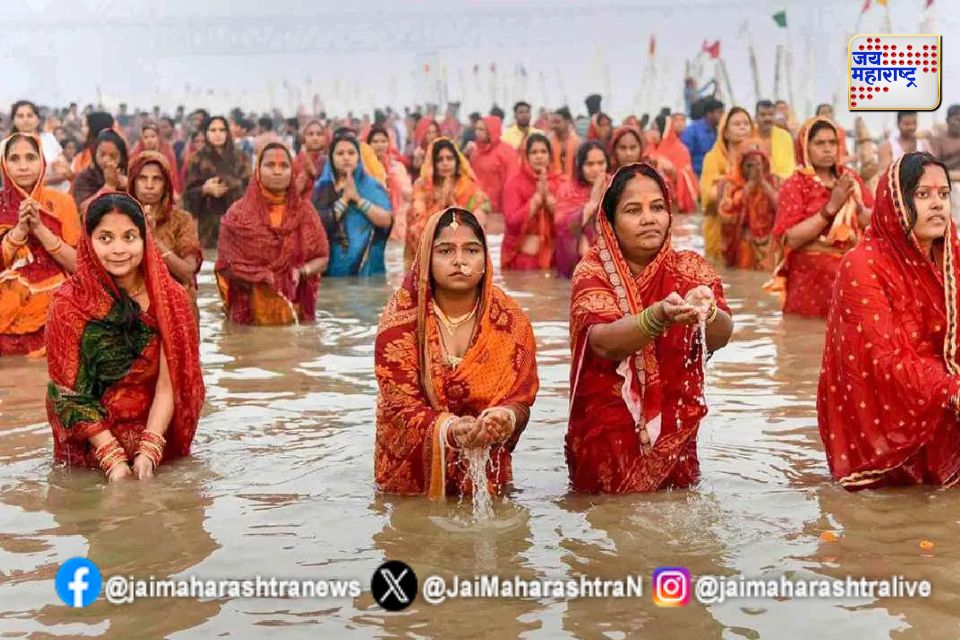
[494,162]
[685,185]
[308,166]
[420,390]
[263,237]
[888,395]
[103,376]
[805,277]
[519,224]
[659,388]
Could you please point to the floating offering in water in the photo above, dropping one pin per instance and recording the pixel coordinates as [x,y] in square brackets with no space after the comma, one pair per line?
[828,536]
[927,545]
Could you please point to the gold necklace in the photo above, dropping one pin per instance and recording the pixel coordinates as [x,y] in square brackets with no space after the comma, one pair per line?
[452,324]
[134,294]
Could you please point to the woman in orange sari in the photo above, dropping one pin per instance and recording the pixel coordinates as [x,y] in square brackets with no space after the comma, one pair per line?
[123,351]
[735,127]
[446,180]
[94,123]
[174,231]
[309,163]
[748,209]
[431,132]
[272,248]
[672,150]
[398,179]
[529,208]
[889,389]
[822,211]
[39,228]
[636,383]
[456,366]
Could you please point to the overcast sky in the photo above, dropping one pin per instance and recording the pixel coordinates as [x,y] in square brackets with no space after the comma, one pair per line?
[258,54]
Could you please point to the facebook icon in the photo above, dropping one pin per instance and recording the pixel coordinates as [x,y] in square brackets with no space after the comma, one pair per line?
[78,582]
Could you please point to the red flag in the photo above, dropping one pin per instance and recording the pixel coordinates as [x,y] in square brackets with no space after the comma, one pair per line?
[928,5]
[866,6]
[653,45]
[713,50]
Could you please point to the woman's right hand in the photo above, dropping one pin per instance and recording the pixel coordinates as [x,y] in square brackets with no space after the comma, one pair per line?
[24,219]
[466,432]
[350,193]
[119,472]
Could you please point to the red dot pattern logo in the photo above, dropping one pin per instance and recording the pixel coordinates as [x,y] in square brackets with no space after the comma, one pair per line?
[925,59]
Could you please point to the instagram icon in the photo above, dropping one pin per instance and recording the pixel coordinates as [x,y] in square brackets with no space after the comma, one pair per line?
[671,587]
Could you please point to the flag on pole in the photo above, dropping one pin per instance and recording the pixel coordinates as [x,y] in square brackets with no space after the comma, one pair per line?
[780,18]
[866,7]
[653,45]
[882,3]
[713,50]
[928,4]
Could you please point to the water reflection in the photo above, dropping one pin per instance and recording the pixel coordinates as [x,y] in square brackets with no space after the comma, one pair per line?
[282,485]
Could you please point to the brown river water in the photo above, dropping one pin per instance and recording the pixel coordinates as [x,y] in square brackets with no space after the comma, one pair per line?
[281,484]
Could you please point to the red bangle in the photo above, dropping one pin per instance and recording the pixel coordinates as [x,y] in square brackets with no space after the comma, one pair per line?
[152,445]
[109,455]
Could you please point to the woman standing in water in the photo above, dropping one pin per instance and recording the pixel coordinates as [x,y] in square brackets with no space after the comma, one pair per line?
[529,208]
[446,180]
[636,380]
[309,163]
[216,177]
[123,354]
[822,210]
[577,204]
[355,211]
[39,228]
[748,209]
[456,366]
[272,248]
[107,172]
[890,385]
[398,179]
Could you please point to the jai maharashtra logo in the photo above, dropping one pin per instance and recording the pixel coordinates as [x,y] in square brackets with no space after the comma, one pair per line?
[894,72]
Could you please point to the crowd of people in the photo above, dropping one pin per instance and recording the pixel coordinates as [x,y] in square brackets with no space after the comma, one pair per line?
[106,219]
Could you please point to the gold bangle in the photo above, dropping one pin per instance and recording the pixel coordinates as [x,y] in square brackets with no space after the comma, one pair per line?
[9,238]
[57,248]
[714,314]
[109,455]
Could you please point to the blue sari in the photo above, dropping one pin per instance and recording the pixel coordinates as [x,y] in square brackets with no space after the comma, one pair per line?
[357,246]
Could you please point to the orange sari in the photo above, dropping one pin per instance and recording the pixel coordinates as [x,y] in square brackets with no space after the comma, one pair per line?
[466,194]
[420,390]
[29,275]
[747,215]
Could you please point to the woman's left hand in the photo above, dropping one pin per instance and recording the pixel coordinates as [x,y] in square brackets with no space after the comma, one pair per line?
[701,298]
[498,424]
[142,467]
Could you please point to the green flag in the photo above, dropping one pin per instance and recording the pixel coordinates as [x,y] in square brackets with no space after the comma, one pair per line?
[780,18]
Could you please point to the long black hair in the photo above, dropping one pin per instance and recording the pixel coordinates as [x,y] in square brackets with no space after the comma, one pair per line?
[583,151]
[911,171]
[97,121]
[229,151]
[128,310]
[438,146]
[16,107]
[342,135]
[109,135]
[534,138]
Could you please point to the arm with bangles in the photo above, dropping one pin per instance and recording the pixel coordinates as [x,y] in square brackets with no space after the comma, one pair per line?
[377,215]
[30,223]
[803,233]
[110,453]
[622,338]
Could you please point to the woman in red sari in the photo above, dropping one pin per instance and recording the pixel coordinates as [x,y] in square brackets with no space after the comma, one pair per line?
[123,351]
[601,129]
[308,165]
[673,153]
[890,385]
[529,207]
[446,180]
[822,211]
[272,248]
[39,228]
[636,380]
[493,160]
[577,203]
[431,131]
[748,209]
[456,366]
